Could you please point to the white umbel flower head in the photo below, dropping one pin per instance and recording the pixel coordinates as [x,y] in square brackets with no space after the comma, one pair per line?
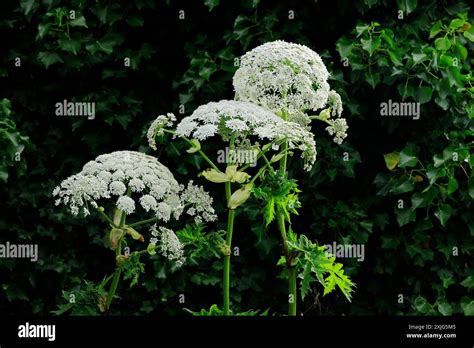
[199,203]
[242,120]
[128,174]
[168,244]
[282,76]
[157,128]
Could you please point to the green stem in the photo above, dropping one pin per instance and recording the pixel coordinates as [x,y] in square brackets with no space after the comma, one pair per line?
[260,154]
[292,293]
[143,222]
[106,218]
[230,229]
[118,270]
[207,159]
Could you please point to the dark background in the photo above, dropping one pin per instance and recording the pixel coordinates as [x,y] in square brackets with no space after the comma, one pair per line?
[191,62]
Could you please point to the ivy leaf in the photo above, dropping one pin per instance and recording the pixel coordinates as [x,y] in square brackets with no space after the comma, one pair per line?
[422,305]
[43,29]
[442,44]
[372,79]
[405,216]
[456,23]
[407,6]
[79,21]
[211,4]
[460,50]
[443,213]
[423,199]
[445,308]
[418,58]
[406,159]
[468,282]
[404,186]
[424,94]
[361,29]
[434,174]
[371,45]
[447,154]
[435,29]
[471,187]
[72,46]
[49,58]
[395,57]
[452,185]
[468,308]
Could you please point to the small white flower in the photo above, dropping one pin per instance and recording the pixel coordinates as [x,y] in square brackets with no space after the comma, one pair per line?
[338,128]
[148,202]
[117,188]
[335,103]
[200,202]
[169,244]
[126,204]
[136,185]
[157,128]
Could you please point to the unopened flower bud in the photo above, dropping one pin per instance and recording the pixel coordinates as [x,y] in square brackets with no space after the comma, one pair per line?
[239,197]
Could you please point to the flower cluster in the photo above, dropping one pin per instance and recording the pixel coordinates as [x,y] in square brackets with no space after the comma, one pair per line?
[169,244]
[338,128]
[157,127]
[282,76]
[242,119]
[122,174]
[224,117]
[200,203]
[335,103]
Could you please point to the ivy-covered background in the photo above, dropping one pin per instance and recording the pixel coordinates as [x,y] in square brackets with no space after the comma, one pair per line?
[404,188]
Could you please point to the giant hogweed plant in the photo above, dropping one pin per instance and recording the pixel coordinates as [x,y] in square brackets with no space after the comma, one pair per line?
[124,181]
[242,126]
[291,81]
[276,85]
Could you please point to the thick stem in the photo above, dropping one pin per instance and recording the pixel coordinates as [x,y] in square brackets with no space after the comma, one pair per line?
[292,290]
[291,270]
[230,229]
[115,281]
